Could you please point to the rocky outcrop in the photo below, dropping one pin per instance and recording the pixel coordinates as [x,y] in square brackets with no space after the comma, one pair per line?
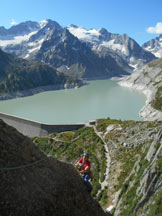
[32,184]
[135,176]
[147,186]
[148,80]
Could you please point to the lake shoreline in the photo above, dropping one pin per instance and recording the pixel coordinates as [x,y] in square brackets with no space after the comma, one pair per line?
[147,113]
[97,99]
[37,90]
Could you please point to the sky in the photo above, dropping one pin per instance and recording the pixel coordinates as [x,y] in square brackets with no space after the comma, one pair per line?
[139,19]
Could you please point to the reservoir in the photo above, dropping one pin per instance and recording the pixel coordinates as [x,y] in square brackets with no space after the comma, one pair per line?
[98,99]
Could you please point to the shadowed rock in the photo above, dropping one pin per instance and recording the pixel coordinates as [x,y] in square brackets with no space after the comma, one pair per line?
[37,185]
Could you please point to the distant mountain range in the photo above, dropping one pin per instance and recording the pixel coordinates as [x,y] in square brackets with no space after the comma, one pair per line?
[102,41]
[88,54]
[154,46]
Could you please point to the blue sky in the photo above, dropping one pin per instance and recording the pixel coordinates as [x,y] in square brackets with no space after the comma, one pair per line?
[140,19]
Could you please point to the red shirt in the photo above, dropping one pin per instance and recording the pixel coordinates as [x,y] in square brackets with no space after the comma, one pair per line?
[85,163]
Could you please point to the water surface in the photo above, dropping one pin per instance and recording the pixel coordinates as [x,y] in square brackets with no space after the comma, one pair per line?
[98,99]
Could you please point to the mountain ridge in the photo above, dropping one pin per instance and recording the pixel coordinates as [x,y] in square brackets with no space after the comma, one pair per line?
[123,45]
[107,58]
[154,46]
[19,76]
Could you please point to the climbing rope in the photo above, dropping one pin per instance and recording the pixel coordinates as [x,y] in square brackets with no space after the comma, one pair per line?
[24,166]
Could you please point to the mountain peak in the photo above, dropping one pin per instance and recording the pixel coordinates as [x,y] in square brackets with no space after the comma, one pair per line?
[43,23]
[49,23]
[154,46]
[73,26]
[103,31]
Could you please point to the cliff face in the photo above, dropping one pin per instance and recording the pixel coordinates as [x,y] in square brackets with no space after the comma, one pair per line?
[36,184]
[129,178]
[149,80]
[135,177]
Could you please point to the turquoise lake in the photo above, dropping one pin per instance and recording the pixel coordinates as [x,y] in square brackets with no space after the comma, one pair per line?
[98,99]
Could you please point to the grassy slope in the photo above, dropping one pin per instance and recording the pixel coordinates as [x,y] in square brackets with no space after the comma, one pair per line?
[69,146]
[157,102]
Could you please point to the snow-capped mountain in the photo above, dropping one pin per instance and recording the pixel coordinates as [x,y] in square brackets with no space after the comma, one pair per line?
[74,50]
[103,41]
[18,30]
[27,37]
[154,46]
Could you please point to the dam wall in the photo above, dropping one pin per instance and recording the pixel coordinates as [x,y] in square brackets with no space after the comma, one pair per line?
[32,128]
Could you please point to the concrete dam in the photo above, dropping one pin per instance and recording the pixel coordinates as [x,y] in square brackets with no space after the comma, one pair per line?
[32,128]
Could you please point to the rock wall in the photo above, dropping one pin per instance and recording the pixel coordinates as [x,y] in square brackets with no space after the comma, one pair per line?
[32,184]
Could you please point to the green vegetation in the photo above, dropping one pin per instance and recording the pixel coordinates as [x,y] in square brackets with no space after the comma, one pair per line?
[156,207]
[130,160]
[102,197]
[128,144]
[157,102]
[18,74]
[129,196]
[159,165]
[102,124]
[70,146]
[145,73]
[156,63]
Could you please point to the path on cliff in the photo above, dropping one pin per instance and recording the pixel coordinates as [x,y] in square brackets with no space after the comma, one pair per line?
[108,160]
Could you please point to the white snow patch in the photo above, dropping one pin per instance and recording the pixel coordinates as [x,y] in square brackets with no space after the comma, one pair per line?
[110,44]
[86,35]
[158,53]
[34,46]
[16,39]
[43,23]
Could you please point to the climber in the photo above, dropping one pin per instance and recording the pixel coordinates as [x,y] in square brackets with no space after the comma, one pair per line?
[84,167]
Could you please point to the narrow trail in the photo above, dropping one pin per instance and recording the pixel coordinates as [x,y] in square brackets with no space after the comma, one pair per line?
[108,160]
[60,140]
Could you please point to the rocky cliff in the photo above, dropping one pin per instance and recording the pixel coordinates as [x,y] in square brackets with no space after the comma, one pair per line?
[32,184]
[126,161]
[149,80]
[135,177]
